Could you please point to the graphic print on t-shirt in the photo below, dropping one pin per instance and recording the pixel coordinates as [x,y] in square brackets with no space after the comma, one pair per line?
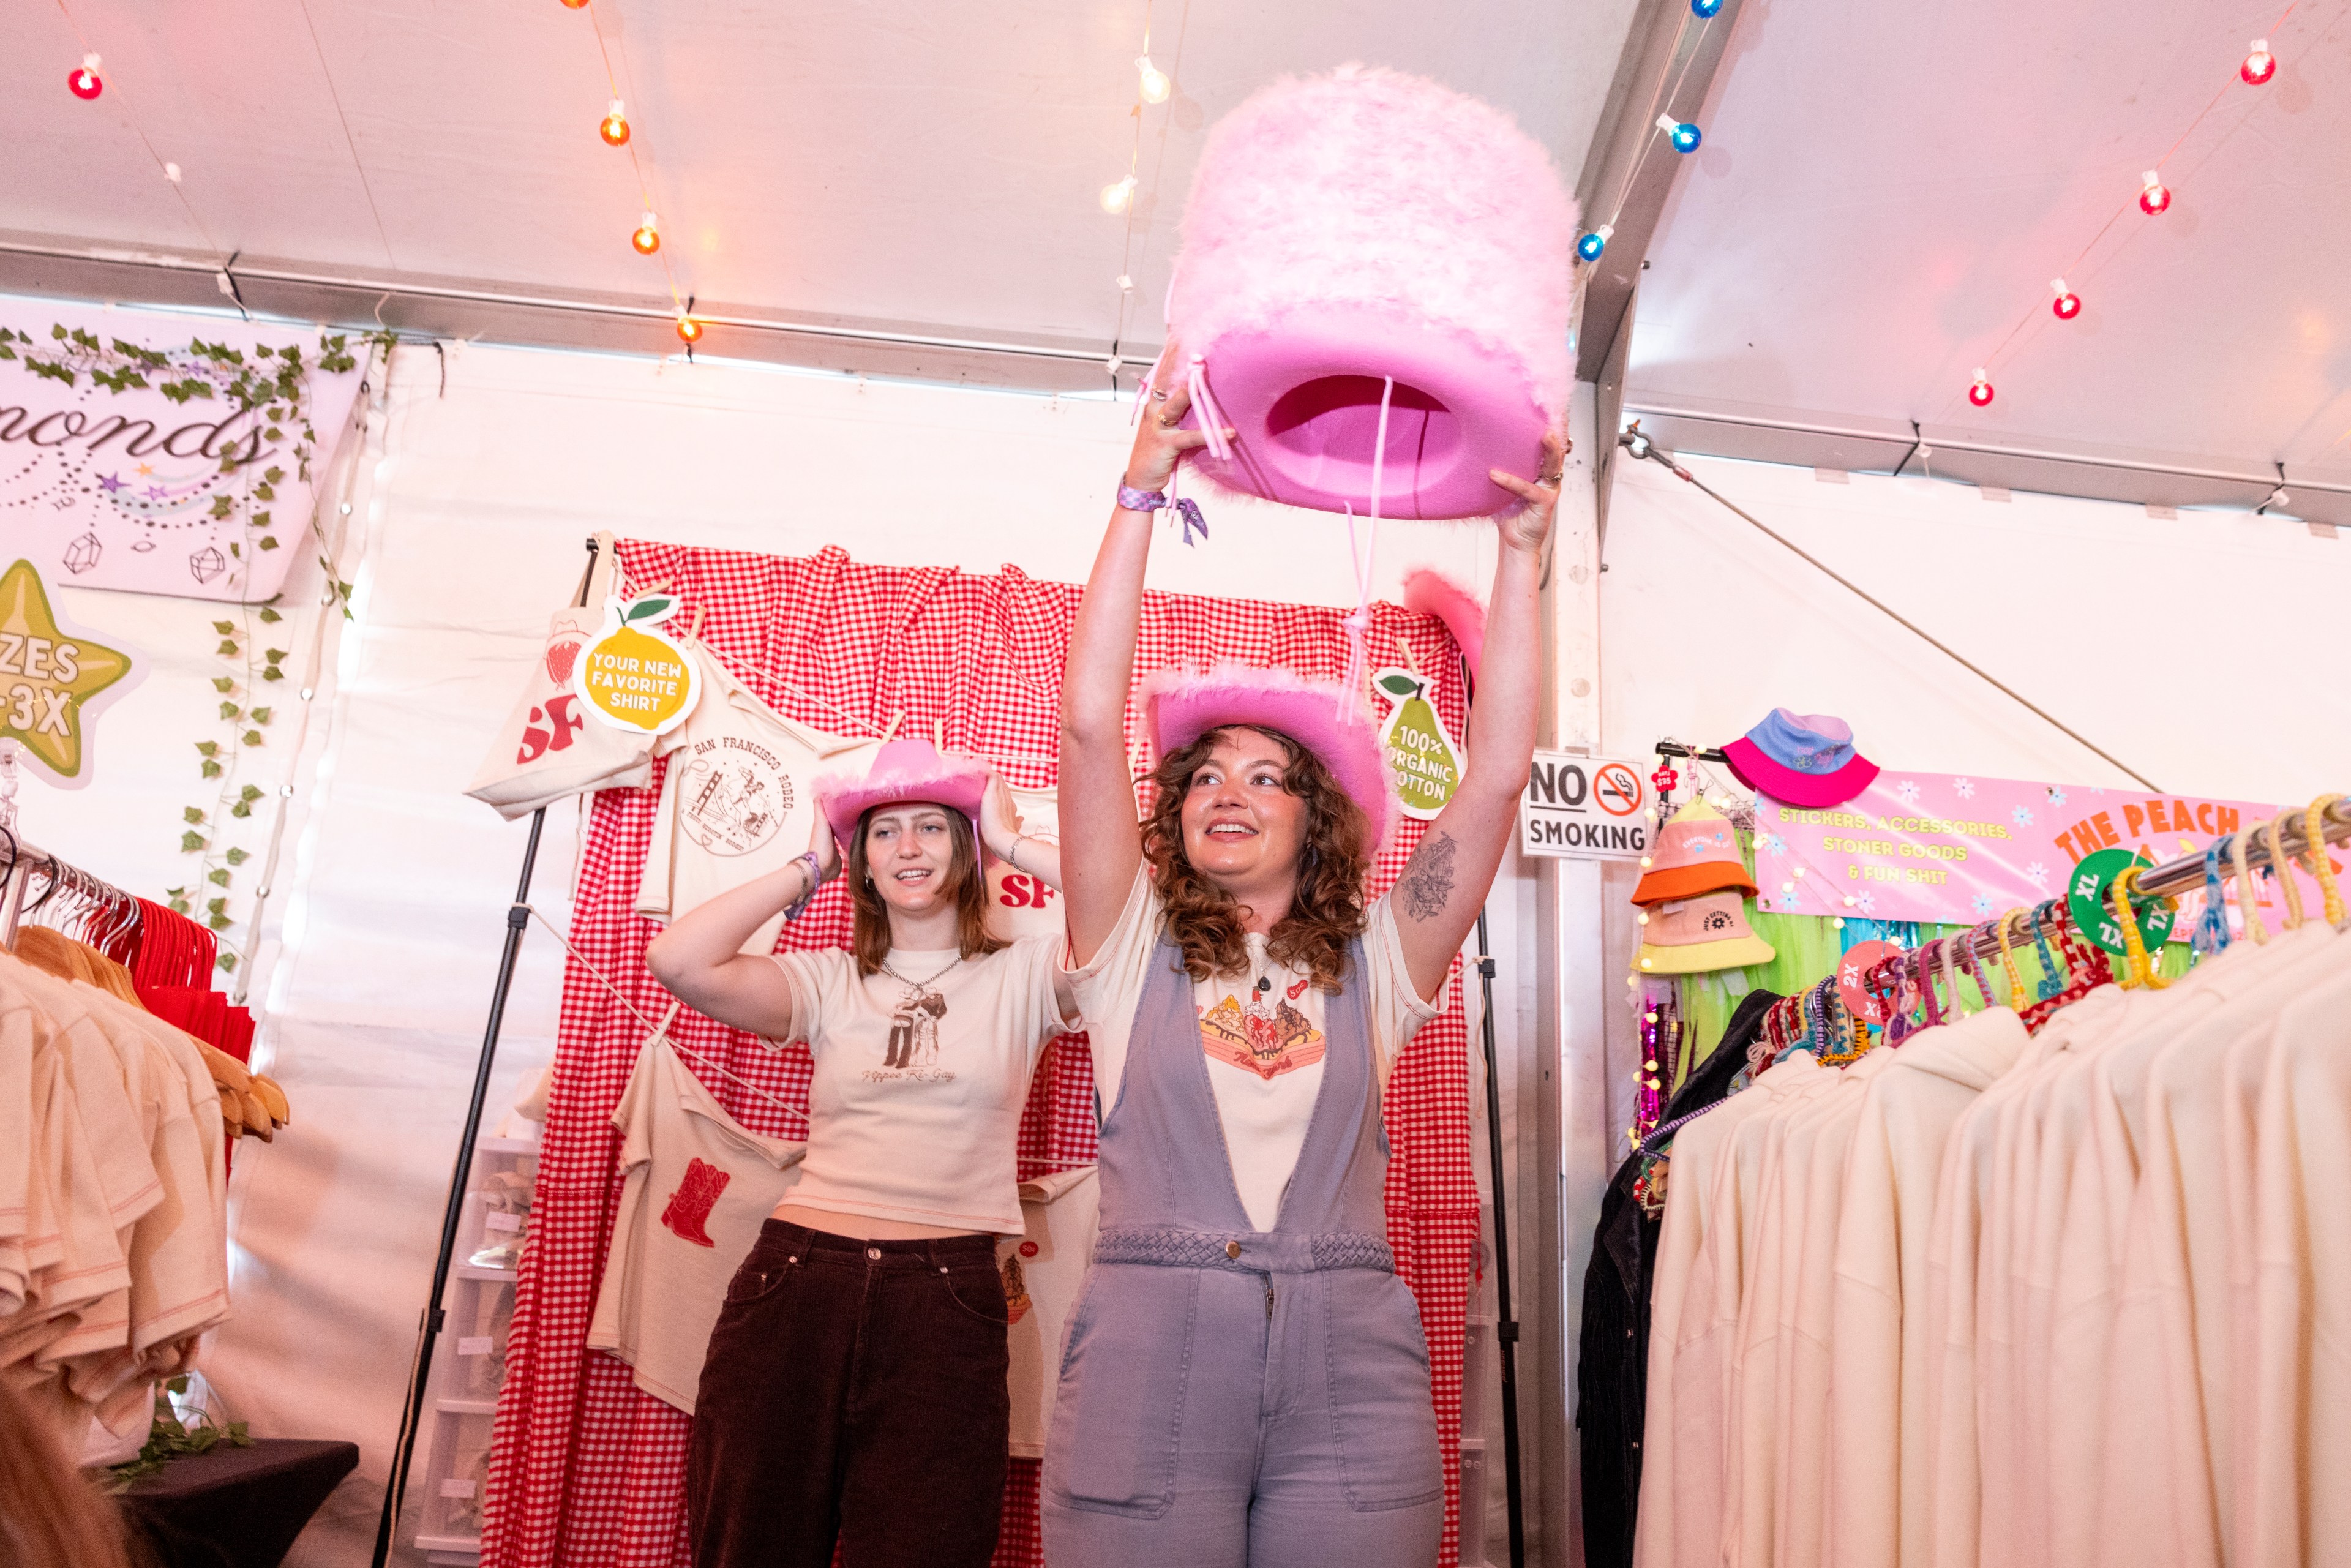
[1016,1287]
[1268,1041]
[691,1204]
[734,795]
[912,1050]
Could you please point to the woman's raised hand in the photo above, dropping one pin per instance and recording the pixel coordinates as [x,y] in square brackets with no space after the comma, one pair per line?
[1159,445]
[1530,525]
[827,852]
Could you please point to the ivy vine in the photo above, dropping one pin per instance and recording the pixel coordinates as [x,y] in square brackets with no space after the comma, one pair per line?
[270,381]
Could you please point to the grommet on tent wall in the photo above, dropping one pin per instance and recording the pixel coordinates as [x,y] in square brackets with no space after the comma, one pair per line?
[1362,239]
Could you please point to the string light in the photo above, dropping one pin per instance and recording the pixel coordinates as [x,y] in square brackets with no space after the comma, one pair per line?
[688,329]
[2260,65]
[647,239]
[1706,10]
[1153,81]
[2154,195]
[2068,304]
[1681,133]
[84,82]
[1118,195]
[615,129]
[575,4]
[1980,393]
[1590,246]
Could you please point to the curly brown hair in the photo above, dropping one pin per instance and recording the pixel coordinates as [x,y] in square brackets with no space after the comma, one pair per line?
[1325,915]
[869,939]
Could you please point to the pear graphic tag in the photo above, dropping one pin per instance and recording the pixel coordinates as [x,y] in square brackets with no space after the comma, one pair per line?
[634,675]
[1423,757]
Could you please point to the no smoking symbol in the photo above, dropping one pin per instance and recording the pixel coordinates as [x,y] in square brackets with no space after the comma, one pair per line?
[1618,790]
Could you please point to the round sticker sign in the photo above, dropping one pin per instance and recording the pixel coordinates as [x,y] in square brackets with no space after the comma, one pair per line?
[1858,960]
[2088,902]
[632,675]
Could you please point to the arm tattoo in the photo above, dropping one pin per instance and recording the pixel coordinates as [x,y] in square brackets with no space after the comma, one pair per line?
[1427,885]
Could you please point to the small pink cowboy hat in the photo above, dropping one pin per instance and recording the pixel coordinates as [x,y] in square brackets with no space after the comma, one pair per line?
[1181,704]
[903,770]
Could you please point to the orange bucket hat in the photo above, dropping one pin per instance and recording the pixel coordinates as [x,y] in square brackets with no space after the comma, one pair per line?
[1697,851]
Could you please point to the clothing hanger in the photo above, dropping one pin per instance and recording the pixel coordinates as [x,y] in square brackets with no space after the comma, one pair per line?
[2282,869]
[2249,914]
[2321,865]
[662,1029]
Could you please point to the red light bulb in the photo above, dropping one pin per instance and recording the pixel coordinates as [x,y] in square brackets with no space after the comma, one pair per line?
[84,82]
[647,239]
[615,127]
[689,329]
[1980,394]
[2068,304]
[2260,64]
[2154,195]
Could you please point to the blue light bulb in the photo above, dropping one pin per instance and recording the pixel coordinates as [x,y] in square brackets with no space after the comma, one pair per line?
[1703,9]
[1686,137]
[1590,246]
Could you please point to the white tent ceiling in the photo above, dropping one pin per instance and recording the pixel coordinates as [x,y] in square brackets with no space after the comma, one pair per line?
[892,162]
[1883,196]
[1886,192]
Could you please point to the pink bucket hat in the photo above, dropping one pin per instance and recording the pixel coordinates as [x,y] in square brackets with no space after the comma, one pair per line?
[1804,759]
[903,770]
[1181,704]
[1696,852]
[1690,935]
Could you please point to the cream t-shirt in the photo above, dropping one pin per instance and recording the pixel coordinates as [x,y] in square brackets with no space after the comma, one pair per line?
[699,1187]
[1042,1270]
[1263,1032]
[1019,904]
[921,1077]
[736,800]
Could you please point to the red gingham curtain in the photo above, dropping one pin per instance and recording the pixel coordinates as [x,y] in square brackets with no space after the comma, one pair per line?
[584,1468]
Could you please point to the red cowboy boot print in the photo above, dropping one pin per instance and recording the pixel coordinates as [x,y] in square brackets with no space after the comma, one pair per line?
[690,1205]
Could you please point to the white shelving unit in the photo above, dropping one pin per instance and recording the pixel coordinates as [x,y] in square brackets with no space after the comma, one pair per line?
[469,1356]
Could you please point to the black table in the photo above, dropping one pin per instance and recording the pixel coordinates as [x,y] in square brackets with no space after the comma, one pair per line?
[235,1508]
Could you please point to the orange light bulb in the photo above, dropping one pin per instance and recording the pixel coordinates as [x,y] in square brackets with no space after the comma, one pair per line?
[615,129]
[689,329]
[576,5]
[647,239]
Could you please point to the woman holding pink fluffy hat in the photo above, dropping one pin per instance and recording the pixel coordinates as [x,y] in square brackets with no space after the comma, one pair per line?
[853,1393]
[1244,1377]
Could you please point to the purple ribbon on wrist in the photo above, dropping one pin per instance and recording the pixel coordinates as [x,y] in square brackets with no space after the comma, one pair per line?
[1188,510]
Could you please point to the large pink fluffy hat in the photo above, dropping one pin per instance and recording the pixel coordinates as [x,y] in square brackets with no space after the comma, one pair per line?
[1376,283]
[1181,704]
[903,770]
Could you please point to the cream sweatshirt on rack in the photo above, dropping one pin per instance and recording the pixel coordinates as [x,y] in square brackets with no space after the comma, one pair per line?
[1683,1463]
[1878,1432]
[2164,1481]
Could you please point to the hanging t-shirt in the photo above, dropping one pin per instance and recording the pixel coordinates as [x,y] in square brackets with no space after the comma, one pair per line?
[736,800]
[1021,903]
[921,1077]
[1263,1032]
[699,1185]
[1042,1269]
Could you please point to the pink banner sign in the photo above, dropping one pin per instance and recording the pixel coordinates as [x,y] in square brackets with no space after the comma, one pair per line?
[1956,849]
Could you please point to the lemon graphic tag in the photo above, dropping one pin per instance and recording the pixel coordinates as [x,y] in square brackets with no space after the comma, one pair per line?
[1425,762]
[633,676]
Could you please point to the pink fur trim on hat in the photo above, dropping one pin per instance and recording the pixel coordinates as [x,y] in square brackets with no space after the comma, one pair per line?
[1430,591]
[1367,187]
[903,770]
[1180,705]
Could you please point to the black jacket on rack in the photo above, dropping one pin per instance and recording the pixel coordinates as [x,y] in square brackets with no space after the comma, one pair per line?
[1612,1370]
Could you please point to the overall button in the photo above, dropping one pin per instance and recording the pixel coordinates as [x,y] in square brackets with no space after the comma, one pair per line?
[875,1253]
[1232,1249]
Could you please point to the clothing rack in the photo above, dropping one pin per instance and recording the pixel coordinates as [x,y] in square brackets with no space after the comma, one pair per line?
[25,859]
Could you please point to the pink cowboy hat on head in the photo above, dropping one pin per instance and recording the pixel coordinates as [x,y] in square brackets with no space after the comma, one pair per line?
[903,770]
[1804,759]
[1181,704]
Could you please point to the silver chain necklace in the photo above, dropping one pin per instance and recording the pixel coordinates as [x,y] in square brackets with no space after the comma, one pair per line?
[915,987]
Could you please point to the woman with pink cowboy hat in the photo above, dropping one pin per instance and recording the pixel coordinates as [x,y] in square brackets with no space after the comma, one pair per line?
[1244,1378]
[854,1387]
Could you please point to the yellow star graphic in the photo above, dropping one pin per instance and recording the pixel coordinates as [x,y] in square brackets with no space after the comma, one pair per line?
[146,467]
[46,674]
